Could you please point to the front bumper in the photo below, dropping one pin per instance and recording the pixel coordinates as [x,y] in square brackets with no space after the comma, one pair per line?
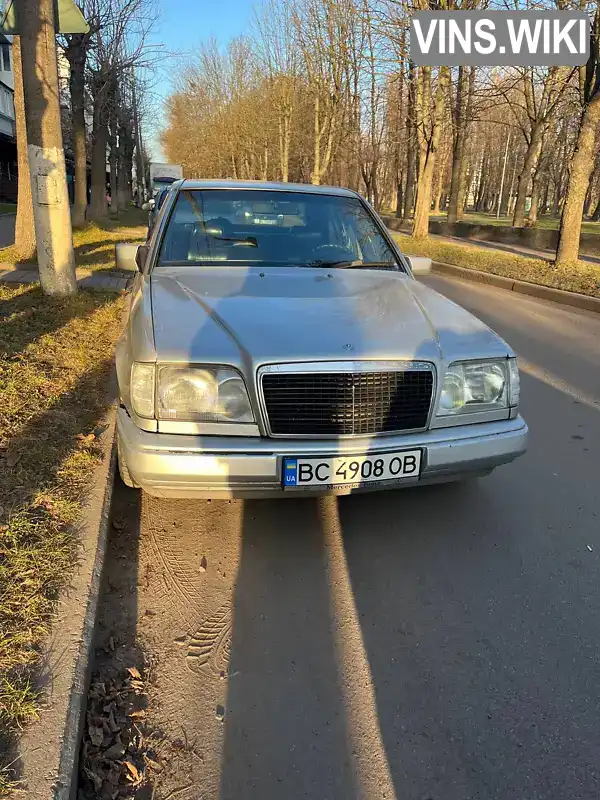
[174,465]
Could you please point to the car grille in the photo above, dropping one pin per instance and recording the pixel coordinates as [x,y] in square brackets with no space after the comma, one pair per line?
[347,403]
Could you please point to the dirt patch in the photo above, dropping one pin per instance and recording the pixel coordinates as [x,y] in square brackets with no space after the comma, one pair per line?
[166,611]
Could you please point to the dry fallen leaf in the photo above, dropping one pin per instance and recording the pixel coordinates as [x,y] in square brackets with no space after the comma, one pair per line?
[96,735]
[115,751]
[137,714]
[95,779]
[114,728]
[134,672]
[154,765]
[133,771]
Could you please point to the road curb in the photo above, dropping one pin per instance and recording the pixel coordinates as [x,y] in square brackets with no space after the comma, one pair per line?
[49,749]
[581,301]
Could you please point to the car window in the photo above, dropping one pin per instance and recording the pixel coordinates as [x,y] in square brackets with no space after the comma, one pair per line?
[269,228]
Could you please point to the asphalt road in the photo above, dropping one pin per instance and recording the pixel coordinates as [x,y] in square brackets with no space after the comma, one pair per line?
[440,643]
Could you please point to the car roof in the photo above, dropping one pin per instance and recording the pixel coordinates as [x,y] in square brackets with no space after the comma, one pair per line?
[303,188]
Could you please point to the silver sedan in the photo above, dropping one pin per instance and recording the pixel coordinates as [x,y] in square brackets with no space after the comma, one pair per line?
[278,343]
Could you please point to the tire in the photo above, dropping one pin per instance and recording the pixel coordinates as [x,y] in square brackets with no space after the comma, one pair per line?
[123,471]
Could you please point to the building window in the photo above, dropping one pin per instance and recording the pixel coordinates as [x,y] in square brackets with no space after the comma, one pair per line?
[6,57]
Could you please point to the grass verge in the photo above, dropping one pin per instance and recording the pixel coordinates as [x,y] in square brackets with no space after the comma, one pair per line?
[94,243]
[55,357]
[579,277]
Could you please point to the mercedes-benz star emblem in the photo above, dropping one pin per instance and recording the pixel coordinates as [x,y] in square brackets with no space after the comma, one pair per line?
[348,347]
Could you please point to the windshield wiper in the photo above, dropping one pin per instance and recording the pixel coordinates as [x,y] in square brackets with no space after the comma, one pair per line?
[353,264]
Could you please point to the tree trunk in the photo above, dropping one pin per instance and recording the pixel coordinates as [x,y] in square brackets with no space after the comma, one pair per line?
[458,149]
[423,203]
[114,166]
[52,216]
[536,190]
[544,208]
[463,190]
[531,158]
[98,206]
[437,197]
[428,147]
[126,147]
[315,177]
[582,165]
[76,55]
[24,225]
[400,197]
[284,144]
[409,192]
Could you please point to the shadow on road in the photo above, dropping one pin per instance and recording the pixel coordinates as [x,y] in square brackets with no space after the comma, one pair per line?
[286,731]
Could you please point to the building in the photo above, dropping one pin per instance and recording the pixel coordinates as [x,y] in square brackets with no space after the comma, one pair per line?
[8,142]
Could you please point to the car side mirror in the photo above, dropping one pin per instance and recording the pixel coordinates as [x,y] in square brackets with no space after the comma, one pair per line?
[420,265]
[141,256]
[148,206]
[126,255]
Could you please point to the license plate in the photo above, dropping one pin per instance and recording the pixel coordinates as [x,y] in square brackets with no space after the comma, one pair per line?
[350,471]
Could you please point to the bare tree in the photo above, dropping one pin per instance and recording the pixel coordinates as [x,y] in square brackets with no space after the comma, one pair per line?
[461,119]
[121,28]
[278,52]
[75,47]
[429,110]
[582,163]
[533,95]
[322,27]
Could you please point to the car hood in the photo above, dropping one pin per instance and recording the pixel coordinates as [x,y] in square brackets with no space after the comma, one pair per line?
[249,316]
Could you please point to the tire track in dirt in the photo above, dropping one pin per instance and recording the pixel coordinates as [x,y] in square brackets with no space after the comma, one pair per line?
[210,646]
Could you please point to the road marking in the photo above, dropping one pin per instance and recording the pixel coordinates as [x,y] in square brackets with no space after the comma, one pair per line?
[370,763]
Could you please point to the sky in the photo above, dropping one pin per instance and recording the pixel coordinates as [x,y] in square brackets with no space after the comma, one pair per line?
[181,27]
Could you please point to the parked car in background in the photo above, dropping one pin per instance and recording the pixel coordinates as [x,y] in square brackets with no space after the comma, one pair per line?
[153,207]
[161,174]
[278,343]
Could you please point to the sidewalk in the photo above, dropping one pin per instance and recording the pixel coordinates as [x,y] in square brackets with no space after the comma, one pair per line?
[96,281]
[517,249]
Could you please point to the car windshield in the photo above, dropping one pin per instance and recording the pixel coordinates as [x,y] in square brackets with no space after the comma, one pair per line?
[271,228]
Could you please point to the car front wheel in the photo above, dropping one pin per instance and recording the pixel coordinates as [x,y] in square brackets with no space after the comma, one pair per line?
[123,470]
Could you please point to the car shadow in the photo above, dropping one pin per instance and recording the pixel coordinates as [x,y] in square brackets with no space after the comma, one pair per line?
[285,726]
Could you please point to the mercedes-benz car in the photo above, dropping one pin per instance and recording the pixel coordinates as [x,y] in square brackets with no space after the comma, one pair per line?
[299,357]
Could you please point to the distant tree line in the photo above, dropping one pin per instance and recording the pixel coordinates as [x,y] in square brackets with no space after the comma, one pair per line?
[325,91]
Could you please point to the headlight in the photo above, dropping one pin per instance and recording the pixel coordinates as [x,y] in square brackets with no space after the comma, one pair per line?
[142,390]
[473,386]
[202,394]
